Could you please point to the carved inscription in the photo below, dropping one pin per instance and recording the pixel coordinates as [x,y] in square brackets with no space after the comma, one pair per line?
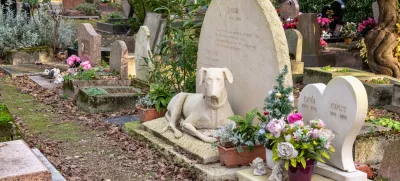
[338,111]
[309,103]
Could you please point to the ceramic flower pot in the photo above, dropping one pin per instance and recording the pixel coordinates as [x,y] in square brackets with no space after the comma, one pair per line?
[230,157]
[348,40]
[299,173]
[149,114]
[270,162]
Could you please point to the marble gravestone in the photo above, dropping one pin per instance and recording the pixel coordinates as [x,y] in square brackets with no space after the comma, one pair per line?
[247,37]
[289,9]
[342,105]
[375,10]
[156,25]
[142,51]
[295,43]
[89,43]
[120,60]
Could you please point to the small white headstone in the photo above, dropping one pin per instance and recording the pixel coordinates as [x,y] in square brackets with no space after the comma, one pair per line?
[142,48]
[342,105]
[247,37]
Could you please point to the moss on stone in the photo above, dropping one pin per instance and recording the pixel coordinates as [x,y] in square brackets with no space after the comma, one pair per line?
[5,122]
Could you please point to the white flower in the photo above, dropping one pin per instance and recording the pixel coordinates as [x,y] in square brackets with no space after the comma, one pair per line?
[270,92]
[291,98]
[288,137]
[286,151]
[326,134]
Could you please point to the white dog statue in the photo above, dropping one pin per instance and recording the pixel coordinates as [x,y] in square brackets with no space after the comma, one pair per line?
[202,111]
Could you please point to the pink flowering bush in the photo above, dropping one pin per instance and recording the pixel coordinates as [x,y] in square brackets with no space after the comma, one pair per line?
[296,142]
[323,22]
[86,65]
[365,26]
[73,61]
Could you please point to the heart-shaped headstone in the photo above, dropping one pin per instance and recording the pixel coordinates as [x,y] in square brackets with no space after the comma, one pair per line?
[342,105]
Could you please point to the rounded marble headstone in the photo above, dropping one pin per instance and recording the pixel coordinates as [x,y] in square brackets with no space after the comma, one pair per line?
[342,105]
[247,37]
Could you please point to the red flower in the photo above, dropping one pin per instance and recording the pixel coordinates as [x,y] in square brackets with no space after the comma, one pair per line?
[278,10]
[266,113]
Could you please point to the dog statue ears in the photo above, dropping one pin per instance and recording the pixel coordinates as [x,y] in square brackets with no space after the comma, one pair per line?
[203,71]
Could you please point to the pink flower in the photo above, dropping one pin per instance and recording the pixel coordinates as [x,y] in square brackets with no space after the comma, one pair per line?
[299,123]
[322,42]
[314,133]
[317,123]
[86,65]
[72,59]
[275,127]
[292,118]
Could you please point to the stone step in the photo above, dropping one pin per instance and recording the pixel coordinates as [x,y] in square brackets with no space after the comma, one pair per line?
[209,172]
[247,175]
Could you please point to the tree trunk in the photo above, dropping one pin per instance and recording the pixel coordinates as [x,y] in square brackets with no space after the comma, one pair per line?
[382,40]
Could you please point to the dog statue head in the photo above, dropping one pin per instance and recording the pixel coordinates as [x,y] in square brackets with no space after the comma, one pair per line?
[214,81]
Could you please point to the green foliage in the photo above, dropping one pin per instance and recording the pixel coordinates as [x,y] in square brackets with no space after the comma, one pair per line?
[18,31]
[379,81]
[32,3]
[279,106]
[94,91]
[386,122]
[145,102]
[161,95]
[115,15]
[5,116]
[105,1]
[349,30]
[86,75]
[134,24]
[344,70]
[327,68]
[331,69]
[88,8]
[243,133]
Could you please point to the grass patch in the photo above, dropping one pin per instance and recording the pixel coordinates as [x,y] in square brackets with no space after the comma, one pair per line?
[379,81]
[36,116]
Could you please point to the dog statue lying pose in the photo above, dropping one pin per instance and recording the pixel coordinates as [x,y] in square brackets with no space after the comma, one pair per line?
[202,111]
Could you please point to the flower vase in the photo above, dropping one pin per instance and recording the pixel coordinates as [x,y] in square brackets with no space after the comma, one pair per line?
[270,162]
[348,40]
[299,173]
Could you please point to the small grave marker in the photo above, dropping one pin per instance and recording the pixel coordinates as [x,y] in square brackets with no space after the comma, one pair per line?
[89,43]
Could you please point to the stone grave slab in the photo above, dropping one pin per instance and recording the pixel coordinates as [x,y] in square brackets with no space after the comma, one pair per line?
[18,162]
[30,56]
[142,50]
[390,163]
[205,152]
[248,38]
[247,175]
[395,105]
[289,9]
[295,43]
[209,172]
[342,102]
[89,43]
[45,83]
[379,94]
[71,87]
[107,99]
[319,75]
[21,70]
[121,120]
[156,25]
[55,174]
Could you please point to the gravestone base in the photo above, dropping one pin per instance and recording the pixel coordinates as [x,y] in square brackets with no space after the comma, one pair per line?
[71,87]
[318,75]
[379,94]
[209,172]
[297,67]
[45,83]
[325,59]
[107,99]
[19,162]
[392,108]
[247,175]
[29,56]
[336,174]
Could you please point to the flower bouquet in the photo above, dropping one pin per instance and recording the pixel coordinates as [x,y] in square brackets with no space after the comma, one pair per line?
[298,146]
[324,23]
[349,32]
[365,26]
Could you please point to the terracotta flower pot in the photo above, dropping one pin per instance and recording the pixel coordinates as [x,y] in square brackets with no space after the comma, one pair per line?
[149,114]
[230,157]
[299,173]
[348,40]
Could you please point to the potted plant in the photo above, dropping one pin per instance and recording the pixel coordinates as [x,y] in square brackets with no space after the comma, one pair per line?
[324,24]
[349,32]
[298,146]
[154,105]
[238,145]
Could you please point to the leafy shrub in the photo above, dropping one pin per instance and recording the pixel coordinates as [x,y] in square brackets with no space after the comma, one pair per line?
[134,24]
[379,81]
[115,15]
[161,95]
[88,8]
[18,31]
[145,102]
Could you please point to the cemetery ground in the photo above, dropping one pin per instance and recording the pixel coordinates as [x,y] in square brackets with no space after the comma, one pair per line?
[81,146]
